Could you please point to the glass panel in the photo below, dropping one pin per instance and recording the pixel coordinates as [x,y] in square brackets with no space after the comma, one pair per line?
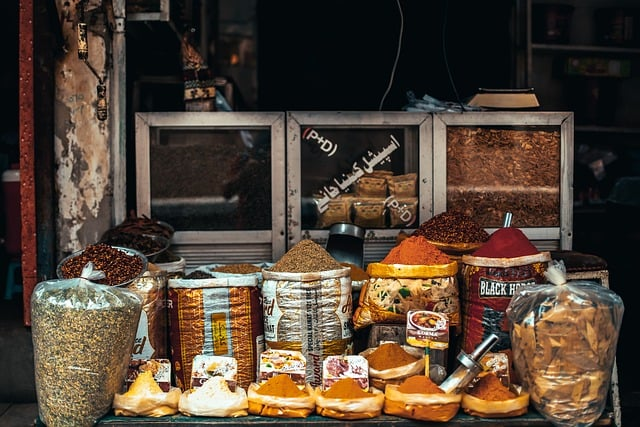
[494,170]
[366,176]
[211,179]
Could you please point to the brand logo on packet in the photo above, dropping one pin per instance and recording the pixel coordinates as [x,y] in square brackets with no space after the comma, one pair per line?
[491,288]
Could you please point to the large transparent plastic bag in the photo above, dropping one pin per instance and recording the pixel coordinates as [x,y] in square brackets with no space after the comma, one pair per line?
[82,334]
[564,337]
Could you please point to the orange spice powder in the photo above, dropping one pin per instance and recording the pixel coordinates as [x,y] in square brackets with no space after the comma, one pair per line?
[416,250]
[345,388]
[280,385]
[389,355]
[419,384]
[489,387]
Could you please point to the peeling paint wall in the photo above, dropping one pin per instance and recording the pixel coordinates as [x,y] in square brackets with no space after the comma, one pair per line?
[82,142]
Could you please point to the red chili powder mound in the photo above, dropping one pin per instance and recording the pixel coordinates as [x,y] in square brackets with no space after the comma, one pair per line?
[506,242]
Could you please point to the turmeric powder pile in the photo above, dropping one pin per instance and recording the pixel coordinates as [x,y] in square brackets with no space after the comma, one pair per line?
[419,384]
[345,388]
[489,387]
[389,355]
[280,385]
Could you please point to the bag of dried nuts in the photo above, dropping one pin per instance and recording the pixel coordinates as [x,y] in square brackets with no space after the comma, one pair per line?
[564,337]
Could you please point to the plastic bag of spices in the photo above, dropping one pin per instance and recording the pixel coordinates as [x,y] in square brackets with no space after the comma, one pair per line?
[82,335]
[232,270]
[218,316]
[415,275]
[490,276]
[308,305]
[564,337]
[152,335]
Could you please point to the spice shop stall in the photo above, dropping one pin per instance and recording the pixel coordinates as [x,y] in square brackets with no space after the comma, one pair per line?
[282,179]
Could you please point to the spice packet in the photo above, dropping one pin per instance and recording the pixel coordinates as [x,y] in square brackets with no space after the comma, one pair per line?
[160,368]
[290,362]
[337,367]
[498,363]
[430,330]
[206,366]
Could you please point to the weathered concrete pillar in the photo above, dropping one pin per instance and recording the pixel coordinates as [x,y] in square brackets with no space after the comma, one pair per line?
[83,142]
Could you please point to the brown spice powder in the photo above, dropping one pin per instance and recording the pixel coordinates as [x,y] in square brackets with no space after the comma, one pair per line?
[238,268]
[357,273]
[306,257]
[489,387]
[419,384]
[389,355]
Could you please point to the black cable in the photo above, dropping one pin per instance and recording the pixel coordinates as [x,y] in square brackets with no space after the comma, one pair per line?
[397,58]
[444,54]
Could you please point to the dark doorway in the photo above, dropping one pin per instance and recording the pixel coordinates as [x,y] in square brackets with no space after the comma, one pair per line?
[336,55]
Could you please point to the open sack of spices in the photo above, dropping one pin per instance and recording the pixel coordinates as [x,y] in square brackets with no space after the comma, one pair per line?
[281,397]
[347,400]
[419,398]
[82,334]
[392,363]
[491,275]
[145,398]
[414,275]
[564,337]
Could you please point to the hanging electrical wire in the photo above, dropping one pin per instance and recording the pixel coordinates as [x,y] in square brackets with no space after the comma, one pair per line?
[445,17]
[395,62]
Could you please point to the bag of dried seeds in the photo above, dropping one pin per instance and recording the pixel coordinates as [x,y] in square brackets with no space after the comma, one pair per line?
[564,337]
[82,334]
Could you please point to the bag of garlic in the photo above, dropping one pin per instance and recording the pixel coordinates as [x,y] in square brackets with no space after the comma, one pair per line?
[564,337]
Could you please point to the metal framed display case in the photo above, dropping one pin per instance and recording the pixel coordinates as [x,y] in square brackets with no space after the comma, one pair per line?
[490,163]
[218,178]
[372,169]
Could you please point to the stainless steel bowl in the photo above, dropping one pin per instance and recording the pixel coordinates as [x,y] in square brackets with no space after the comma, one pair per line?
[151,245]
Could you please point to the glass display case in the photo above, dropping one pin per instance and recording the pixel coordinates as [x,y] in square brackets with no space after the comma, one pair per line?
[491,163]
[372,169]
[243,187]
[218,178]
